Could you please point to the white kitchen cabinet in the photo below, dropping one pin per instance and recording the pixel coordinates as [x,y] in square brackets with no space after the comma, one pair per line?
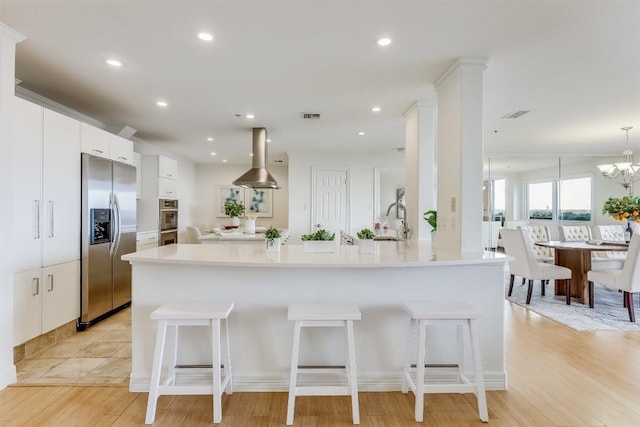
[60,295]
[60,189]
[167,168]
[121,149]
[46,197]
[44,299]
[167,188]
[146,240]
[27,305]
[95,141]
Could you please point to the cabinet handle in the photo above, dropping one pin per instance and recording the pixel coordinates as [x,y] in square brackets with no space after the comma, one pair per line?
[50,277]
[51,219]
[169,175]
[36,219]
[123,158]
[95,150]
[37,281]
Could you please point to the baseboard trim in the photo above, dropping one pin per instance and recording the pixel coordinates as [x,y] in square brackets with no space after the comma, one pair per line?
[8,375]
[367,381]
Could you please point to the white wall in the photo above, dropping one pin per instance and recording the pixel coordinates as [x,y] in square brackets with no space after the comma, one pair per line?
[148,212]
[361,167]
[207,178]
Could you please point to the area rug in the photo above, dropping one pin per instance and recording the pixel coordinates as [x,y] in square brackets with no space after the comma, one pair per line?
[607,315]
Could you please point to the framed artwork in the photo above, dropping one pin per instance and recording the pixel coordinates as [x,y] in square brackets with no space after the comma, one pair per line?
[228,193]
[400,199]
[258,202]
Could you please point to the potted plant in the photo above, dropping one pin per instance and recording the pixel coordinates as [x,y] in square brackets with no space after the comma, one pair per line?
[320,241]
[234,210]
[432,218]
[272,237]
[365,242]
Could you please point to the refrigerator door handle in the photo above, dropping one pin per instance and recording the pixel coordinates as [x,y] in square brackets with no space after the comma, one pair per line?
[118,222]
[51,220]
[112,232]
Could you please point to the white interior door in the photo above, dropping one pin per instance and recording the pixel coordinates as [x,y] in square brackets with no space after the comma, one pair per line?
[330,207]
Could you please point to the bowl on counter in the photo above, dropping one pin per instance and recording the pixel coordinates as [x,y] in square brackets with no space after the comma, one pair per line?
[230,227]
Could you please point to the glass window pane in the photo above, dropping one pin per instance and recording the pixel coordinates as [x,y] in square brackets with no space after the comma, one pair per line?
[499,196]
[540,200]
[575,199]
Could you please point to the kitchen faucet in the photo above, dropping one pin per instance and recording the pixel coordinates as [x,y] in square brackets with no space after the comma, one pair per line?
[405,228]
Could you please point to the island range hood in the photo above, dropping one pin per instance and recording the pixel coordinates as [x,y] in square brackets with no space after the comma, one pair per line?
[258,176]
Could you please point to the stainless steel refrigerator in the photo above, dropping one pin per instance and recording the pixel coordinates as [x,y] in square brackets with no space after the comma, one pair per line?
[108,232]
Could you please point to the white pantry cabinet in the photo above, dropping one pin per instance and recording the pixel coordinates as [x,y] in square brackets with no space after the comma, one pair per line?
[46,187]
[104,144]
[159,177]
[167,168]
[44,299]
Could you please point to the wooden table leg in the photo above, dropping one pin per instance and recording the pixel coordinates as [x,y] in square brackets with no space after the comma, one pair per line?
[579,262]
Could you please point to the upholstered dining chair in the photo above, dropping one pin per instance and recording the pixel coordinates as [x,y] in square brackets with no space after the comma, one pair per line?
[627,280]
[525,264]
[575,233]
[610,233]
[193,234]
[540,233]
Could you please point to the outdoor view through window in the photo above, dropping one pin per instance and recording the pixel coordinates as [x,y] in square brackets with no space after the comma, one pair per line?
[573,200]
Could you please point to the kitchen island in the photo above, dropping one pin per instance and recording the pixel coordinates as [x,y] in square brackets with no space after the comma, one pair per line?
[263,284]
[238,236]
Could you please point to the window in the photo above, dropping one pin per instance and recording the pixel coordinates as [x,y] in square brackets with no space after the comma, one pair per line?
[575,199]
[564,200]
[540,200]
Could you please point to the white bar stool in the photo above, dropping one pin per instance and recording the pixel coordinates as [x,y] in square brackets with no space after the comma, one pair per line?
[191,314]
[320,315]
[464,316]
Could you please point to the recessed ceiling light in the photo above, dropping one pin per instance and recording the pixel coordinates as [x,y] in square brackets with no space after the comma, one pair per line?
[161,103]
[250,116]
[213,154]
[210,138]
[250,154]
[384,41]
[268,140]
[360,133]
[114,62]
[207,37]
[376,109]
[224,161]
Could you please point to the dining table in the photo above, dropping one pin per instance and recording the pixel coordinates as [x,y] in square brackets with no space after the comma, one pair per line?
[576,256]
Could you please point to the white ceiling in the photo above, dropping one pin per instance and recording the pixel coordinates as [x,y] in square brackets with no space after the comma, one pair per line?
[574,64]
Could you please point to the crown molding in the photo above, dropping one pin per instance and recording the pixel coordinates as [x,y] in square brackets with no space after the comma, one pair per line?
[466,62]
[7,31]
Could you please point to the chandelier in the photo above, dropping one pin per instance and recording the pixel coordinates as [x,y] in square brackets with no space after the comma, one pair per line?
[624,173]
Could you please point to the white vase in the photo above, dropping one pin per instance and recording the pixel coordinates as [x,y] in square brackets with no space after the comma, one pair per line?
[318,245]
[273,245]
[235,221]
[250,226]
[366,246]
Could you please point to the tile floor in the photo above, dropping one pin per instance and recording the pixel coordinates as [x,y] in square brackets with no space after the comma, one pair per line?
[99,355]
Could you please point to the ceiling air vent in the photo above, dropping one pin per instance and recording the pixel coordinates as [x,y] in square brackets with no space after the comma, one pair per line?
[310,115]
[515,114]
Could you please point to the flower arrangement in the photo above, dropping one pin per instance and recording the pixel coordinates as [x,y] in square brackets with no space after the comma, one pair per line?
[232,208]
[365,233]
[272,233]
[625,208]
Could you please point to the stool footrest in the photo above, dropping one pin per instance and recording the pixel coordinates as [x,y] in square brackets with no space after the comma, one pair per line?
[323,391]
[322,371]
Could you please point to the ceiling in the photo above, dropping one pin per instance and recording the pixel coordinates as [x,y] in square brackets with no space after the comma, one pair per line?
[574,64]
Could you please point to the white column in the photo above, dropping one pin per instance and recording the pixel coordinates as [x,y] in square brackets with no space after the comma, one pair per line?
[420,125]
[459,156]
[8,40]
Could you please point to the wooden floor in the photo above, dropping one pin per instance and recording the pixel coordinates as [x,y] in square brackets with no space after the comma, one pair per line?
[557,377]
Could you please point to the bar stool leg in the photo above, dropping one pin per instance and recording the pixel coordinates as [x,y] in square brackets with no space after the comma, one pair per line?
[406,370]
[461,336]
[294,373]
[155,373]
[173,357]
[217,389]
[477,365]
[227,363]
[355,406]
[419,409]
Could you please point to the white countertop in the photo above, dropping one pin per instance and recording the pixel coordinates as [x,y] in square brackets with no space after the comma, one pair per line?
[388,254]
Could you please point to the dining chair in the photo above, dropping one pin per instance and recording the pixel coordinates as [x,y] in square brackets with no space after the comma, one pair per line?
[627,280]
[193,234]
[540,233]
[575,233]
[525,264]
[610,233]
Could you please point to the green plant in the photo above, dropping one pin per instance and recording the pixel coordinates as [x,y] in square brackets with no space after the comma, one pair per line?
[232,208]
[365,233]
[319,235]
[272,233]
[627,207]
[432,218]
